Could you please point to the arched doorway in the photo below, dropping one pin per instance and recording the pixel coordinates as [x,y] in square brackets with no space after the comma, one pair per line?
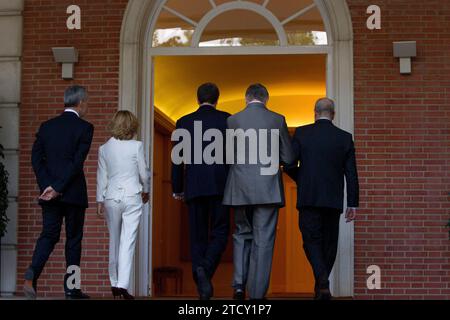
[204,33]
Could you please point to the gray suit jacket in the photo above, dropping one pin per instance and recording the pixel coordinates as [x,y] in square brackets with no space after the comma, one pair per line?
[245,184]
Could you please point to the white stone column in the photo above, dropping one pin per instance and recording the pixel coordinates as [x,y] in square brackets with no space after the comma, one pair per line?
[10,81]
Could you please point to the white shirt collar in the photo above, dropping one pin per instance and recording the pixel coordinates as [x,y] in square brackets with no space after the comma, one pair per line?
[73,111]
[207,105]
[254,102]
[324,118]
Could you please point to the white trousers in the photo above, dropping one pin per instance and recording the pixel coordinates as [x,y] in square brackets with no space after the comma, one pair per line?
[123,221]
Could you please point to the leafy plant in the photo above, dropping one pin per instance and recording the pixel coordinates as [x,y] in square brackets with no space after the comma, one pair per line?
[448,225]
[3,194]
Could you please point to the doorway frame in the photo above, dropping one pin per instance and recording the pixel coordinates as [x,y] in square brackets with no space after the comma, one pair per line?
[136,87]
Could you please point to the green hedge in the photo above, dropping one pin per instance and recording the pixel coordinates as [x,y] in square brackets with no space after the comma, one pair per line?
[3,194]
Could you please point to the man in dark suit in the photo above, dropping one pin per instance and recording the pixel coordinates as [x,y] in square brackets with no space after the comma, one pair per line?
[326,155]
[61,147]
[202,186]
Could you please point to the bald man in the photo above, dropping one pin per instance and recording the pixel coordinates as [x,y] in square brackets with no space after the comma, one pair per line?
[325,158]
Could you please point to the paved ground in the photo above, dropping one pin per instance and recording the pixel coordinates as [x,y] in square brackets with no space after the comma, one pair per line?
[186,299]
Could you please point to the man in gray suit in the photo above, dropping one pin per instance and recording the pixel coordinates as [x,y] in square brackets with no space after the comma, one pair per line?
[255,189]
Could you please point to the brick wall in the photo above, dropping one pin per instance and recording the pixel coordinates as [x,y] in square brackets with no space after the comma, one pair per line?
[98,70]
[402,135]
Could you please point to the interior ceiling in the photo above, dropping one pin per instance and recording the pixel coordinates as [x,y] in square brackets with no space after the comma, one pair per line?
[294,82]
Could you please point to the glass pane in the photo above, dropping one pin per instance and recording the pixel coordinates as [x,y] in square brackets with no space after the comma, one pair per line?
[256,1]
[219,2]
[171,31]
[194,10]
[307,29]
[239,28]
[284,9]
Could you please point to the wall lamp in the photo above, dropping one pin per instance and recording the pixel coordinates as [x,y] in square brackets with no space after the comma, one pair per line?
[405,50]
[68,57]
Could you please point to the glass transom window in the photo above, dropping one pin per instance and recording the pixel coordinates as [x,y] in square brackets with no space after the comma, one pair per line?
[215,23]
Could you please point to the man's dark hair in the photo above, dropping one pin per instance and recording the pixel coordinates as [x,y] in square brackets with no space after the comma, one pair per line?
[208,93]
[257,92]
[74,95]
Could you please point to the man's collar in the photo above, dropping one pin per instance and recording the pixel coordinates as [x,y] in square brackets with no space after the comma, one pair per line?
[324,120]
[256,103]
[207,105]
[73,111]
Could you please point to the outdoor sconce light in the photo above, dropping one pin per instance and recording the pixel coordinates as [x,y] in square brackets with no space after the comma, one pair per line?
[405,50]
[66,56]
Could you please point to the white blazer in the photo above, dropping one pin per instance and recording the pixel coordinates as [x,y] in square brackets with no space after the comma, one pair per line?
[122,171]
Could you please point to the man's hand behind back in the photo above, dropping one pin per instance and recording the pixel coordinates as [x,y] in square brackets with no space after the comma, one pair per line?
[49,194]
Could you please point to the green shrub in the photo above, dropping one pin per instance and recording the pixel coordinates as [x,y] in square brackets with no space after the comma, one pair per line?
[3,194]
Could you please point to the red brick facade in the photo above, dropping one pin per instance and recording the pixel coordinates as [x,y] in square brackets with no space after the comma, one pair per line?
[402,127]
[402,134]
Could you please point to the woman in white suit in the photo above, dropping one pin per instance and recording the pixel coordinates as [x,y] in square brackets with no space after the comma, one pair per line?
[123,184]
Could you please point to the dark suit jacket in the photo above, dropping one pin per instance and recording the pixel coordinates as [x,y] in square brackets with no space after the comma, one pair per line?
[199,180]
[61,147]
[326,155]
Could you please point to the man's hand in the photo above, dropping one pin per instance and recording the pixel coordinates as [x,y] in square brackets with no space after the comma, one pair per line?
[178,196]
[145,197]
[100,209]
[49,194]
[350,214]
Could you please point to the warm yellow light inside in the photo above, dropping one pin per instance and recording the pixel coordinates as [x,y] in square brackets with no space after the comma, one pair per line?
[294,82]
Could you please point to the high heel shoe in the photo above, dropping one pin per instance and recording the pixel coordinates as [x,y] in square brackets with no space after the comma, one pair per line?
[124,293]
[116,293]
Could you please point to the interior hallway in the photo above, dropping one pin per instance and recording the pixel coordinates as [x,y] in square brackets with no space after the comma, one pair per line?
[295,82]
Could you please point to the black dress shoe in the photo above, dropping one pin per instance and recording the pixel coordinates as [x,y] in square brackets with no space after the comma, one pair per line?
[116,292]
[30,285]
[29,290]
[125,295]
[204,285]
[323,295]
[239,294]
[76,295]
